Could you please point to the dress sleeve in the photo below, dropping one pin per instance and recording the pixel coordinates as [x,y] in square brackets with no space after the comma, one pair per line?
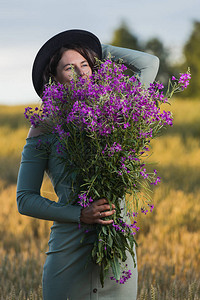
[143,64]
[30,177]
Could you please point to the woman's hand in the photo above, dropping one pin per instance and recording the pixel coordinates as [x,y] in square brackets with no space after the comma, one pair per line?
[96,211]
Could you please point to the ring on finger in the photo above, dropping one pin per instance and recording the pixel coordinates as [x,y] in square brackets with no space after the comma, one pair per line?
[99,214]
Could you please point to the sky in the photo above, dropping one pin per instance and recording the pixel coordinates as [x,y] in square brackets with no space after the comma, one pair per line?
[25,25]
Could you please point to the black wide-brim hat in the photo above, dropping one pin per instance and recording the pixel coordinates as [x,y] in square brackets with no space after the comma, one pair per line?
[73,36]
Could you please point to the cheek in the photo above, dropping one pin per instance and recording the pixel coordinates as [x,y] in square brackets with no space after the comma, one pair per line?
[63,77]
[89,72]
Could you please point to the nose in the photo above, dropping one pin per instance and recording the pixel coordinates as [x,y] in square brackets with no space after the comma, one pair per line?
[80,72]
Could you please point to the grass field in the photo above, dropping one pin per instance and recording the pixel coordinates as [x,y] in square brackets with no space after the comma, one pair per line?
[169,238]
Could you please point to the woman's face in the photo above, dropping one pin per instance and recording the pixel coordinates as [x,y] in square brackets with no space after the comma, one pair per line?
[72,60]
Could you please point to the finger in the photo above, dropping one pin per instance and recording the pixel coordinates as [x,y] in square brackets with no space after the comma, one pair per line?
[102,222]
[106,213]
[104,207]
[101,201]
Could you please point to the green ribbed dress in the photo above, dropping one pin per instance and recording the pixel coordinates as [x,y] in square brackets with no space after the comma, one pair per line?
[69,272]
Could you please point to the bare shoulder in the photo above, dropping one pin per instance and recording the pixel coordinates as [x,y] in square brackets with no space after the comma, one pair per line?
[44,128]
[34,132]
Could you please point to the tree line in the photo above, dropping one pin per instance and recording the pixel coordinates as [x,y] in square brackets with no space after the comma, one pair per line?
[123,37]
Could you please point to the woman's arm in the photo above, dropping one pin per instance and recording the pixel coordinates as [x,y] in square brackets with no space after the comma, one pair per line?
[33,165]
[30,177]
[143,64]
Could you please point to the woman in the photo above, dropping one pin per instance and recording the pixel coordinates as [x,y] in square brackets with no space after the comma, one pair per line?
[69,272]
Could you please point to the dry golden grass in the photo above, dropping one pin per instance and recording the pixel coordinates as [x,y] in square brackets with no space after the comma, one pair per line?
[169,238]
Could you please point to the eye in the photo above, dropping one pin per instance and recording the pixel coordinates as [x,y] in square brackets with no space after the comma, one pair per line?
[68,69]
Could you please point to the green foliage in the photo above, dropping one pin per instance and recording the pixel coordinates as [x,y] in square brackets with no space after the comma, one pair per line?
[155,46]
[192,55]
[122,37]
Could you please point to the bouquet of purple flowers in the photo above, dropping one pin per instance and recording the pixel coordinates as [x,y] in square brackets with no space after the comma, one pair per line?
[105,125]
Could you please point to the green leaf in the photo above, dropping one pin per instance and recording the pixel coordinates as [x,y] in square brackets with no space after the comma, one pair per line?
[95,191]
[100,247]
[99,260]
[104,229]
[116,268]
[110,240]
[94,251]
[123,256]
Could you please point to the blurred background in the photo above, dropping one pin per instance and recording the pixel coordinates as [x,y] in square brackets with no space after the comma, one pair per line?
[169,237]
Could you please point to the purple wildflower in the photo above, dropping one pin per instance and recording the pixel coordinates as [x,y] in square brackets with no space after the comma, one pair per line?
[125,276]
[158,179]
[184,80]
[151,207]
[84,201]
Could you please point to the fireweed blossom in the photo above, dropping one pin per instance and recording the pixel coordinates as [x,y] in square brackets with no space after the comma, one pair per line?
[105,126]
[178,84]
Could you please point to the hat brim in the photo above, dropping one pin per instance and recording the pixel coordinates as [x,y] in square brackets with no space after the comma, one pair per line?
[73,36]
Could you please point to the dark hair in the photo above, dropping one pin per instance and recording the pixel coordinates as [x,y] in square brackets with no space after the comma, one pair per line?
[51,68]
